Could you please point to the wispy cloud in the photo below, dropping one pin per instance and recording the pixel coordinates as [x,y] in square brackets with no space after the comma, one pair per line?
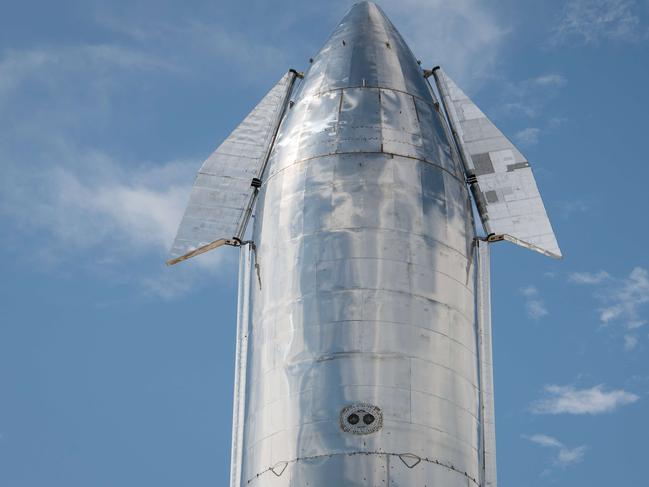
[74,194]
[137,209]
[553,80]
[98,212]
[630,342]
[626,297]
[565,456]
[588,277]
[207,40]
[623,301]
[528,136]
[635,324]
[53,66]
[534,305]
[569,400]
[592,21]
[528,97]
[464,36]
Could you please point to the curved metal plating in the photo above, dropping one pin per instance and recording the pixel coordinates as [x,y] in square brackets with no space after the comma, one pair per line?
[364,290]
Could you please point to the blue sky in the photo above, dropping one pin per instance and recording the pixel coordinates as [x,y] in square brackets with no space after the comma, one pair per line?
[118,371]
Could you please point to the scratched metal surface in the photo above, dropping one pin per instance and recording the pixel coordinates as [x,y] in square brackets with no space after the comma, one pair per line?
[363,284]
[221,191]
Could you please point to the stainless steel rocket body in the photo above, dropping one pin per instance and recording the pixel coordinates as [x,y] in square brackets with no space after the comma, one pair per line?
[362,288]
[363,351]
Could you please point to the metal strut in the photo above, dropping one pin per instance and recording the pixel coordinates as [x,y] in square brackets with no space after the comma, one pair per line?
[258,181]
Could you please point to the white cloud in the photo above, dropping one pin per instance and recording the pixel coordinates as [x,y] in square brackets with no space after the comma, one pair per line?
[67,199]
[626,297]
[623,301]
[528,108]
[588,277]
[208,41]
[464,36]
[568,400]
[565,456]
[536,309]
[90,64]
[630,342]
[100,203]
[547,80]
[635,324]
[591,21]
[534,305]
[570,456]
[528,136]
[93,211]
[527,99]
[529,291]
[542,85]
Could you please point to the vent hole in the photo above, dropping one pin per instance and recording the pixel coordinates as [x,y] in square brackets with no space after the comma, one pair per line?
[361,419]
[368,418]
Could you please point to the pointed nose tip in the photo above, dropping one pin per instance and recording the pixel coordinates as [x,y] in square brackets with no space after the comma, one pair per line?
[365,50]
[358,4]
[364,6]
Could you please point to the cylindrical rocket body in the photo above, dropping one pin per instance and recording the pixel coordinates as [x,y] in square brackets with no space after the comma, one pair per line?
[362,293]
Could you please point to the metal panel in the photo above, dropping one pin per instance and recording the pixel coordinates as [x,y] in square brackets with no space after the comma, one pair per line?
[359,124]
[407,470]
[241,360]
[487,411]
[501,179]
[368,469]
[221,195]
[364,282]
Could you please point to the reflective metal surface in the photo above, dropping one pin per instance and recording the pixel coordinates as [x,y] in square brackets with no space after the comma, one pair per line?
[363,289]
[483,316]
[364,321]
[505,190]
[240,365]
[219,200]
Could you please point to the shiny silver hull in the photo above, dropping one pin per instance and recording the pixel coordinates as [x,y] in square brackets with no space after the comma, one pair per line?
[364,325]
[363,362]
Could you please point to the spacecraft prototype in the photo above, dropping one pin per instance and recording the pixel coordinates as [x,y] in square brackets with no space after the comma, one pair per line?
[363,351]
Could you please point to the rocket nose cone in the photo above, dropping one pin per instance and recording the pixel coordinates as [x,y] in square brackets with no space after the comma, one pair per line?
[365,50]
[361,4]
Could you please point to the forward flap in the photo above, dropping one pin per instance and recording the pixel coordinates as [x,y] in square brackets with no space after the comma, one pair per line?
[501,178]
[221,198]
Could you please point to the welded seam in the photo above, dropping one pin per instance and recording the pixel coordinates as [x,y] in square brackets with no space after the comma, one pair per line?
[381,453]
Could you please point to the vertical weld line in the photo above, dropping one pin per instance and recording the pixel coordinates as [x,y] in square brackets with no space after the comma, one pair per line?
[414,102]
[381,118]
[340,108]
[387,470]
[410,370]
